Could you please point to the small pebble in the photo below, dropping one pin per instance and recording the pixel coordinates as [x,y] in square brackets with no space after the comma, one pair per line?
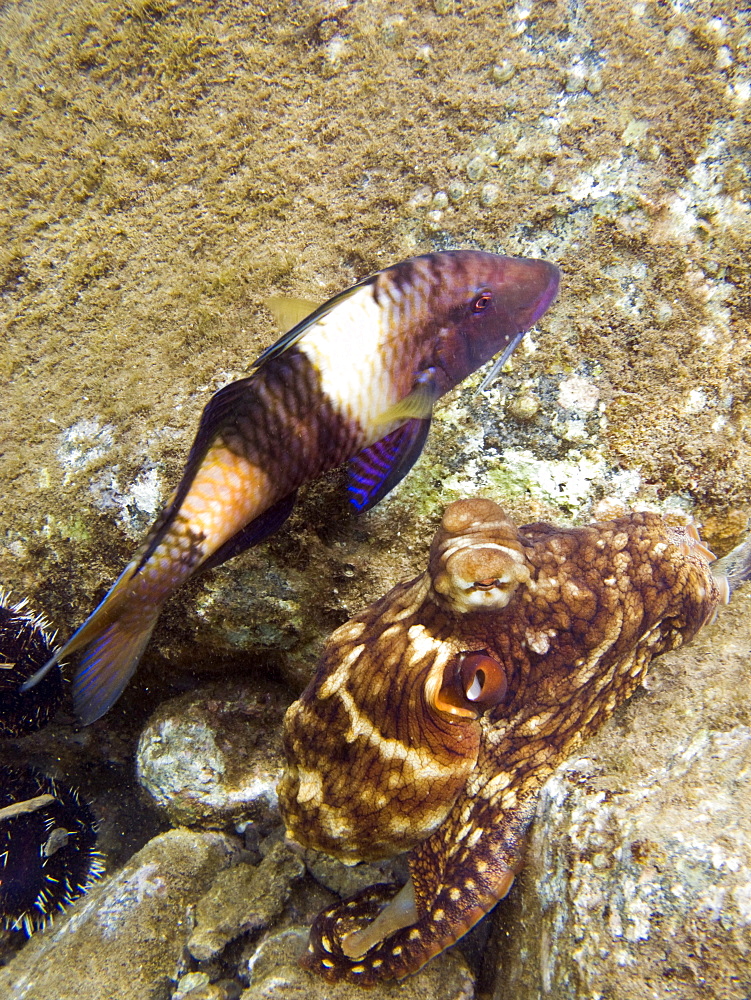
[456,190]
[594,82]
[327,29]
[476,168]
[545,180]
[433,220]
[576,79]
[489,195]
[525,406]
[422,197]
[677,38]
[440,199]
[394,30]
[502,72]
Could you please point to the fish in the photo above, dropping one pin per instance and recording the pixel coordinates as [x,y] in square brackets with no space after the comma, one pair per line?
[436,715]
[354,381]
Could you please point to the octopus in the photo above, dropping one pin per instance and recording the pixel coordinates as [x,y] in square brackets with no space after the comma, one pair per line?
[436,715]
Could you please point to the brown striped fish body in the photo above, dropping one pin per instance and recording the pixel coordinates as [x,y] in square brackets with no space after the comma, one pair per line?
[356,380]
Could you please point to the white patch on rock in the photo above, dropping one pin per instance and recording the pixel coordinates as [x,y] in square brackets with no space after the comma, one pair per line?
[85,442]
[114,911]
[696,401]
[578,393]
[565,483]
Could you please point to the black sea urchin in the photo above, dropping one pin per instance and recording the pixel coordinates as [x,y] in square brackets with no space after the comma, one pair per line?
[47,848]
[25,645]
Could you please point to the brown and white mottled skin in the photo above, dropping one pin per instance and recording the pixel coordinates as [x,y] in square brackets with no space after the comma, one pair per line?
[396,745]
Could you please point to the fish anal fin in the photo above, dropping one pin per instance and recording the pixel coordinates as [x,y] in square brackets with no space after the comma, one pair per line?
[376,470]
[254,532]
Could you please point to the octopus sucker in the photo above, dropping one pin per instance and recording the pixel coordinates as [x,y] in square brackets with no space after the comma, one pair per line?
[503,669]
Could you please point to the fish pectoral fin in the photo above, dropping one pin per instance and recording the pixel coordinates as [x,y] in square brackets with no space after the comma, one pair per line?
[417,404]
[288,312]
[376,470]
[254,532]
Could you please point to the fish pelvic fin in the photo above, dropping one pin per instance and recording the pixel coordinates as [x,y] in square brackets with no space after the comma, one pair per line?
[376,470]
[109,663]
[416,405]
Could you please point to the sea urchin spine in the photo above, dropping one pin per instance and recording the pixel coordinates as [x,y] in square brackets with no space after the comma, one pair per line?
[48,856]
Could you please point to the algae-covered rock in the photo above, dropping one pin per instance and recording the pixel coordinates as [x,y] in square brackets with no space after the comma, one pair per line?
[638,874]
[126,939]
[213,757]
[169,165]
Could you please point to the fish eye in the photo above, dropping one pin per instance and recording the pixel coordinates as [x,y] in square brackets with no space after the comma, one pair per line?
[482,302]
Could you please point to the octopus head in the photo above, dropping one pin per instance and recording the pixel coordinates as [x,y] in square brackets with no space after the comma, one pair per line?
[476,561]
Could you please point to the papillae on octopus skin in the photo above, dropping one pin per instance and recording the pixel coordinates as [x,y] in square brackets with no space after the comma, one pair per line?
[436,714]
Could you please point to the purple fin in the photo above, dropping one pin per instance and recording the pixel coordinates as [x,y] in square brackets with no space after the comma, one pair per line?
[376,470]
[258,529]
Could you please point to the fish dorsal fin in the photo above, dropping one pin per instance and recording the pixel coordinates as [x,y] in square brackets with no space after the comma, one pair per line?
[288,312]
[418,404]
[376,470]
[293,335]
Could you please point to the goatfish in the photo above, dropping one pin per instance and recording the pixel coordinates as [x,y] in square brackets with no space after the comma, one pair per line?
[356,380]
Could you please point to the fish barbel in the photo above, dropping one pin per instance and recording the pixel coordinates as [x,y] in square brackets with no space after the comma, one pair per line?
[355,380]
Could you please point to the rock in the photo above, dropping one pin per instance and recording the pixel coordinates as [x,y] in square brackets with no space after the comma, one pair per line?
[213,161]
[346,880]
[126,939]
[242,899]
[638,876]
[274,974]
[213,757]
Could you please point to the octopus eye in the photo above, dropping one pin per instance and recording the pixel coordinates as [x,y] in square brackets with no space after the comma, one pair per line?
[482,302]
[487,584]
[483,679]
[472,684]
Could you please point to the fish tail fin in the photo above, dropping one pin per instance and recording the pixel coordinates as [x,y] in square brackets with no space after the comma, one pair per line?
[116,633]
[106,611]
[109,663]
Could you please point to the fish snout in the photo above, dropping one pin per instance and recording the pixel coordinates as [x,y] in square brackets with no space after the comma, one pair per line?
[528,287]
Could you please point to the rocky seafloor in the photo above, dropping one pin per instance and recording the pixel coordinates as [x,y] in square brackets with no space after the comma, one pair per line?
[166,167]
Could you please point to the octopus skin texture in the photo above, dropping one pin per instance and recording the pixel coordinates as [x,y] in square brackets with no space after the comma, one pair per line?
[436,714]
